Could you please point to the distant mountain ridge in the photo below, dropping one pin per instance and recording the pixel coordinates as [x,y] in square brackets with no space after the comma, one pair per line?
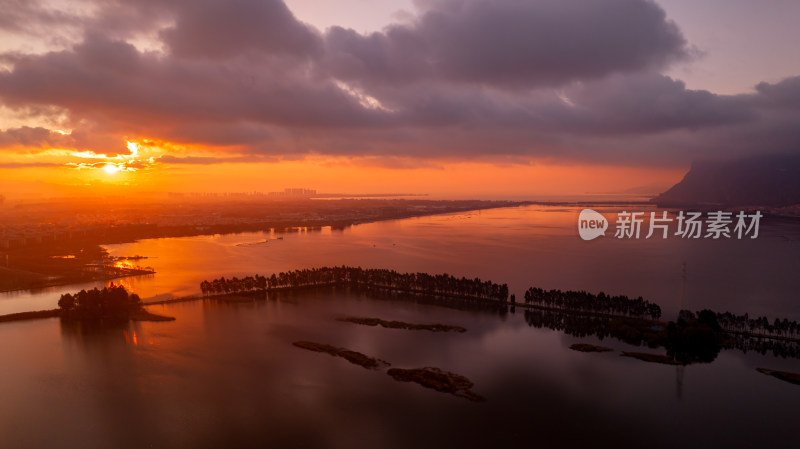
[766,180]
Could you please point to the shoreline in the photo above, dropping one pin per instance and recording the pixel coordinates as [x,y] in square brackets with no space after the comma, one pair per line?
[267,226]
[28,316]
[252,294]
[258,294]
[63,282]
[141,315]
[393,324]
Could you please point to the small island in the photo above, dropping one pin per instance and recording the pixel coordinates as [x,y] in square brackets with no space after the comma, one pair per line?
[653,358]
[588,347]
[435,378]
[786,376]
[402,325]
[353,357]
[112,303]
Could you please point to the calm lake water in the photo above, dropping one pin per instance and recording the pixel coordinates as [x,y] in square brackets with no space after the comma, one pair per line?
[524,246]
[227,375]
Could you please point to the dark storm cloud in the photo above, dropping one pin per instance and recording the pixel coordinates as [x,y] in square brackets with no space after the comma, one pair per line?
[615,105]
[570,79]
[785,94]
[36,138]
[511,43]
[647,103]
[212,28]
[222,134]
[112,83]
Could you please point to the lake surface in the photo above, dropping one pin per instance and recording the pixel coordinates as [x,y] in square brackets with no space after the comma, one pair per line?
[525,246]
[227,374]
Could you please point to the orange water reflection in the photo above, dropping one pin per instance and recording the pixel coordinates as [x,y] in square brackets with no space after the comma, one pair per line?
[531,245]
[230,369]
[131,337]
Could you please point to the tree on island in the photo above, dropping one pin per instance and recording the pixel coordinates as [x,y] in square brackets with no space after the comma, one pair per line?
[417,283]
[110,302]
[588,302]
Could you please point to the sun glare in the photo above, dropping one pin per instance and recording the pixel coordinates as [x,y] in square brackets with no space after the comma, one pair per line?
[111,169]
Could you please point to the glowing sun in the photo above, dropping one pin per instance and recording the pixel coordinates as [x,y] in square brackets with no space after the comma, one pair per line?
[111,169]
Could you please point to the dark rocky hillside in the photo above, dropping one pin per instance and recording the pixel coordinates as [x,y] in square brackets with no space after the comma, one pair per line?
[770,180]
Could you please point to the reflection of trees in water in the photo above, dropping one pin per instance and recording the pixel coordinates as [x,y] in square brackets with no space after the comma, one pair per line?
[764,346]
[762,325]
[104,356]
[465,304]
[635,332]
[107,332]
[690,339]
[685,342]
[298,230]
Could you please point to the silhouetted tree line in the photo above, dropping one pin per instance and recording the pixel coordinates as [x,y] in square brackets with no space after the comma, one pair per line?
[111,301]
[587,302]
[422,283]
[693,337]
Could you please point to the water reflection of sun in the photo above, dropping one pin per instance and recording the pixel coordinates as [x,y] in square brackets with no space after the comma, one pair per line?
[124,264]
[130,283]
[131,337]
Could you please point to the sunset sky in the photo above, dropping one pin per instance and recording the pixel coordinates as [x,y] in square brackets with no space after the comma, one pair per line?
[455,98]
